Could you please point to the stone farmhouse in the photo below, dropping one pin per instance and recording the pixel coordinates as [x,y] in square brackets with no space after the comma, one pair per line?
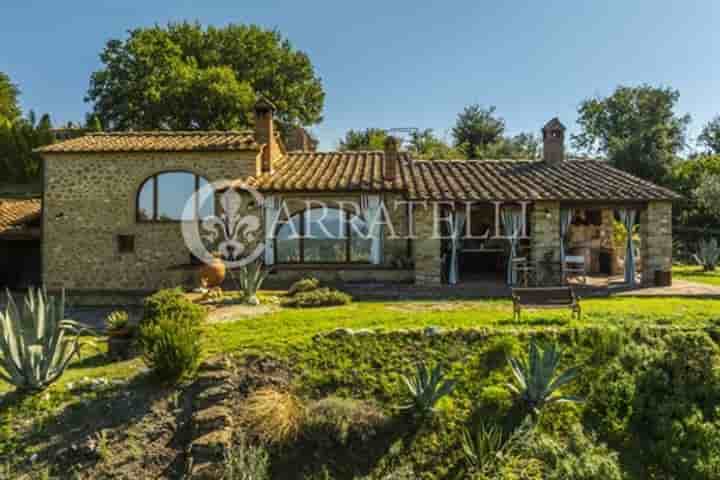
[112,211]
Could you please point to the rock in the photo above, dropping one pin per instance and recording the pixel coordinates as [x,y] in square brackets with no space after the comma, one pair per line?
[433,331]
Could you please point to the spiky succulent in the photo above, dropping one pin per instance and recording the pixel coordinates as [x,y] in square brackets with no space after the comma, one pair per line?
[708,254]
[251,277]
[426,388]
[37,342]
[536,379]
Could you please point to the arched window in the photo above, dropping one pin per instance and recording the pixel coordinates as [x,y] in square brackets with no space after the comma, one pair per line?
[323,236]
[163,196]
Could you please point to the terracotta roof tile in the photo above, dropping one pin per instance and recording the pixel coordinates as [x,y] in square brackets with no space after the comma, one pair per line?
[156,142]
[484,180]
[19,215]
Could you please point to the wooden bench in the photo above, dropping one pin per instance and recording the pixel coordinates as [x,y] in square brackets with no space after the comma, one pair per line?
[545,298]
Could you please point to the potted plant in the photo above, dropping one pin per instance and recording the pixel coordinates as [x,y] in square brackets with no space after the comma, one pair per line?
[120,334]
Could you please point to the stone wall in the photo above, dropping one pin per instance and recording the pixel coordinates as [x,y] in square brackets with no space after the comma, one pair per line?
[90,199]
[545,236]
[426,249]
[656,240]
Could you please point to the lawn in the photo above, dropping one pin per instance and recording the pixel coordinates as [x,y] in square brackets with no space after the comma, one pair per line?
[694,273]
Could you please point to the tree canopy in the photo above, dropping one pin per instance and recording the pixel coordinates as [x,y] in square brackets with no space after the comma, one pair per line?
[710,136]
[424,144]
[187,77]
[368,139]
[9,109]
[477,128]
[636,128]
[18,162]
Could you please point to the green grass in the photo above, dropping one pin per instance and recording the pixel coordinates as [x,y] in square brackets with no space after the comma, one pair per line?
[694,273]
[278,331]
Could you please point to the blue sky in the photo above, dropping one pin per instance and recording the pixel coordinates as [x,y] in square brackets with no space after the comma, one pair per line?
[404,64]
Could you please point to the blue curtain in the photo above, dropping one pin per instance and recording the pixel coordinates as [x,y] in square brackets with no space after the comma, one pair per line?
[458,224]
[627,217]
[566,218]
[512,223]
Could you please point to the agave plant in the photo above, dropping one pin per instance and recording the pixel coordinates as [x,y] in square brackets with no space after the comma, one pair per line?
[482,445]
[536,379]
[251,277]
[426,388]
[35,342]
[708,254]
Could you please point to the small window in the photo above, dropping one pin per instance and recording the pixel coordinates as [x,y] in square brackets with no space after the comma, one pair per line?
[126,243]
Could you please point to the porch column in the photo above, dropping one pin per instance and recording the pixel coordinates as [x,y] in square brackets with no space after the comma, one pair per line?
[545,234]
[655,240]
[426,249]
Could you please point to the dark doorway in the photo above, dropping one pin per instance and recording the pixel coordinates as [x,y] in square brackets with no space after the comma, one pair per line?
[20,264]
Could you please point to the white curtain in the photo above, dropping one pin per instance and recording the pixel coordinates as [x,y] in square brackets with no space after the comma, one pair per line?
[566,218]
[271,205]
[512,224]
[371,206]
[627,217]
[458,225]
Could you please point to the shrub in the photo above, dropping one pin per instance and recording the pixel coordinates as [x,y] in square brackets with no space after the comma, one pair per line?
[275,416]
[117,320]
[251,278]
[322,297]
[246,462]
[171,347]
[171,303]
[340,418]
[304,285]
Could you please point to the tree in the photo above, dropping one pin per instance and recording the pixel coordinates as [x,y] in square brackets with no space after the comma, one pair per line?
[523,146]
[424,144]
[636,128]
[710,136]
[9,109]
[708,194]
[18,162]
[688,177]
[184,76]
[368,139]
[477,128]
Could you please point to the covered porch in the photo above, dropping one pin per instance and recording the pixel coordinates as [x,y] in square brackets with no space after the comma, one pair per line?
[583,244]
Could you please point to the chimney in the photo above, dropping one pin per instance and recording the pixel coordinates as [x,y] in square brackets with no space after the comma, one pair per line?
[553,134]
[392,158]
[264,132]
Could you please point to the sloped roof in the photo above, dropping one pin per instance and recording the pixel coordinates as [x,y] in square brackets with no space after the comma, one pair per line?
[489,180]
[19,216]
[482,180]
[330,172]
[194,141]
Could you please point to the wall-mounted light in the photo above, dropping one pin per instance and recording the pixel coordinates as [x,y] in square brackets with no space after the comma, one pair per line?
[548,215]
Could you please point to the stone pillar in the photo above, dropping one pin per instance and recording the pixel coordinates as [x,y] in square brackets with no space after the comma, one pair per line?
[428,265]
[655,240]
[545,237]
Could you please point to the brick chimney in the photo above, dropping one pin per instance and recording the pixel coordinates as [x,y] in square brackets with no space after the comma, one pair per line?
[553,134]
[265,132]
[392,158]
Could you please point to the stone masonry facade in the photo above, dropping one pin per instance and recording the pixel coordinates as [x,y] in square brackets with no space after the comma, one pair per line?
[90,199]
[656,240]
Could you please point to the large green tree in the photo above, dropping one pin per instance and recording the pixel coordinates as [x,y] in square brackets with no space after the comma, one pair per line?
[9,109]
[184,76]
[710,136]
[424,144]
[18,162]
[636,128]
[476,129]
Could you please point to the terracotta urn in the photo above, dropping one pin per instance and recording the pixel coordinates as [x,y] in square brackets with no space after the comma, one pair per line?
[212,274]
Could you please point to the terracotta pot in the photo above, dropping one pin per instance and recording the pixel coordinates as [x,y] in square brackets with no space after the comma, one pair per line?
[213,274]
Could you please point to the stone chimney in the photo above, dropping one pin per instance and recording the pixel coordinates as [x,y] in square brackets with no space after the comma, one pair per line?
[265,132]
[392,158]
[553,134]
